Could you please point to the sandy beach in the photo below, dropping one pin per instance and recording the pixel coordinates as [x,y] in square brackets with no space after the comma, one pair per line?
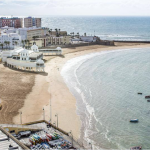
[36,90]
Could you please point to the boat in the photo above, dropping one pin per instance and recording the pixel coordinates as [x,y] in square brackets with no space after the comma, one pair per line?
[134,120]
[136,148]
[147,96]
[148,100]
[140,93]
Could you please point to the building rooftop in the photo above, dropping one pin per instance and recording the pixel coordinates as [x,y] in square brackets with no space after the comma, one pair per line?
[8,143]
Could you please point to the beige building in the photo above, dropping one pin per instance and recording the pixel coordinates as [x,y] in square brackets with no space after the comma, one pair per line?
[49,40]
[30,22]
[36,32]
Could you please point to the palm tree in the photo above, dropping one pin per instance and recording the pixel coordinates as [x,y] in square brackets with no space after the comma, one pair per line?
[5,42]
[8,44]
[59,32]
[73,34]
[57,35]
[78,34]
[2,45]
[16,43]
[28,43]
[35,37]
[23,42]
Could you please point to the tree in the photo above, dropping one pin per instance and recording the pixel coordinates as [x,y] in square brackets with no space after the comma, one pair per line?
[23,42]
[5,42]
[35,37]
[16,43]
[57,35]
[8,44]
[28,43]
[2,45]
[59,32]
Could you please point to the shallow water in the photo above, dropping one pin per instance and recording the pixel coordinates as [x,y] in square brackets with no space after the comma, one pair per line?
[105,85]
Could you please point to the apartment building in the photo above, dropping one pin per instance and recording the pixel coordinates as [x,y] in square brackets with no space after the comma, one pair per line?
[11,22]
[36,32]
[62,40]
[51,40]
[58,32]
[30,22]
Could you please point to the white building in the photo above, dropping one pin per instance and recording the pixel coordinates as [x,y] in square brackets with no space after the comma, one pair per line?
[11,35]
[13,38]
[20,58]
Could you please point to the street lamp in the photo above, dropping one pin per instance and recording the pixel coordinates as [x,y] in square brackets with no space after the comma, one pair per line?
[21,117]
[55,126]
[43,114]
[72,137]
[91,145]
[57,119]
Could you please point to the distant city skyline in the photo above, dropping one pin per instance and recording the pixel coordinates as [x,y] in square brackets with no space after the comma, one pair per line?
[75,7]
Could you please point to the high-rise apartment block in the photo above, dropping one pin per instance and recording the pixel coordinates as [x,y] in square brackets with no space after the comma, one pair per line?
[11,22]
[30,22]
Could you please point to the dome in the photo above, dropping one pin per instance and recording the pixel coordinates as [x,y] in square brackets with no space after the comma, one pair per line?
[40,62]
[34,47]
[58,48]
[24,51]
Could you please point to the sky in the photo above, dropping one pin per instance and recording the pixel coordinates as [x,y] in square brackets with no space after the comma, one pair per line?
[75,7]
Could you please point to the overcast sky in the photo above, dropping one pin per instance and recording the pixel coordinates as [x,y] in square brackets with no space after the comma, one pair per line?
[75,7]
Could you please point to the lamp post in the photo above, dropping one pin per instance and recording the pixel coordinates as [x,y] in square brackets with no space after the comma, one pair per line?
[43,114]
[21,117]
[57,119]
[72,137]
[91,145]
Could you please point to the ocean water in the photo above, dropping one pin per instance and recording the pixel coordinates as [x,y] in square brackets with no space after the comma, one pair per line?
[107,28]
[105,85]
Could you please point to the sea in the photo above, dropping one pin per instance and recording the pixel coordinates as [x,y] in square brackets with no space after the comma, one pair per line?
[106,84]
[107,28]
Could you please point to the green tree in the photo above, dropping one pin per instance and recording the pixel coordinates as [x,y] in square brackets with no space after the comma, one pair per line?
[23,42]
[5,43]
[8,44]
[2,45]
[35,37]
[28,42]
[16,43]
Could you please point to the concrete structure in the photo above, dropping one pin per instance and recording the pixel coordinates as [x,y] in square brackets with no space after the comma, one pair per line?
[30,22]
[45,41]
[9,136]
[11,22]
[6,142]
[20,58]
[88,38]
[36,32]
[57,51]
[59,32]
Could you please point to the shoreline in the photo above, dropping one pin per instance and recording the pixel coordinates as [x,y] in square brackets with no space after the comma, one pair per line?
[54,87]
